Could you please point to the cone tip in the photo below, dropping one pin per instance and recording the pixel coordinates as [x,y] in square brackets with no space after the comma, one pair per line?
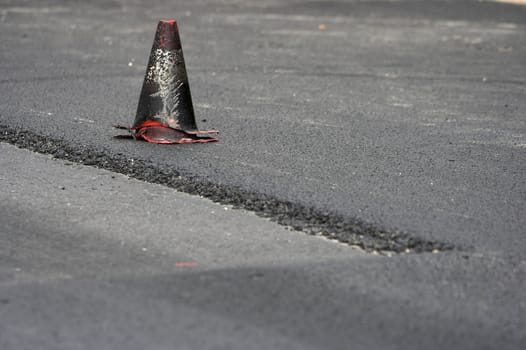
[169,21]
[167,35]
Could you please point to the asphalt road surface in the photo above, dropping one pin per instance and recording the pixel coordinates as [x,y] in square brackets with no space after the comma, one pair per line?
[396,129]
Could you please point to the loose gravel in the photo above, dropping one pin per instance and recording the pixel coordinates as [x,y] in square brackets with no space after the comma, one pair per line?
[351,231]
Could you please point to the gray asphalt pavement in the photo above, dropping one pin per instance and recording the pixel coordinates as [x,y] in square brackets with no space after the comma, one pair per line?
[363,119]
[93,259]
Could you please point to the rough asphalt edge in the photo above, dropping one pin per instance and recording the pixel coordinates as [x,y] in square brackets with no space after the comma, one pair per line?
[351,231]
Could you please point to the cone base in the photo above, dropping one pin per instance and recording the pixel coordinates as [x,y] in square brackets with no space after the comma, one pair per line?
[157,132]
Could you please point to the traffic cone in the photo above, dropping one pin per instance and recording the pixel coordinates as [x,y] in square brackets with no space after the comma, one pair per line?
[165,113]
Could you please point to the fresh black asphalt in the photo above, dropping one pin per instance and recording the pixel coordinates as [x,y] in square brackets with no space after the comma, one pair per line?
[405,122]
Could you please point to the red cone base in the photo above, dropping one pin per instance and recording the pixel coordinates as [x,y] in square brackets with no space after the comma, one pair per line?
[157,132]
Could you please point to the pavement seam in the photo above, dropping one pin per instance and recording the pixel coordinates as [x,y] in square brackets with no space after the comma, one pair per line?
[347,230]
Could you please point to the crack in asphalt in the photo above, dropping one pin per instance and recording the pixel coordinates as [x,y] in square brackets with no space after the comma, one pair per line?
[351,231]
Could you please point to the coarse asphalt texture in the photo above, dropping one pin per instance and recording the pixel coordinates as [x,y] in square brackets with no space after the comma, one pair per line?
[403,117]
[394,126]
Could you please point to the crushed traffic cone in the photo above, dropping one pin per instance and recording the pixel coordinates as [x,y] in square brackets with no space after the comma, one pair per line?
[165,113]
